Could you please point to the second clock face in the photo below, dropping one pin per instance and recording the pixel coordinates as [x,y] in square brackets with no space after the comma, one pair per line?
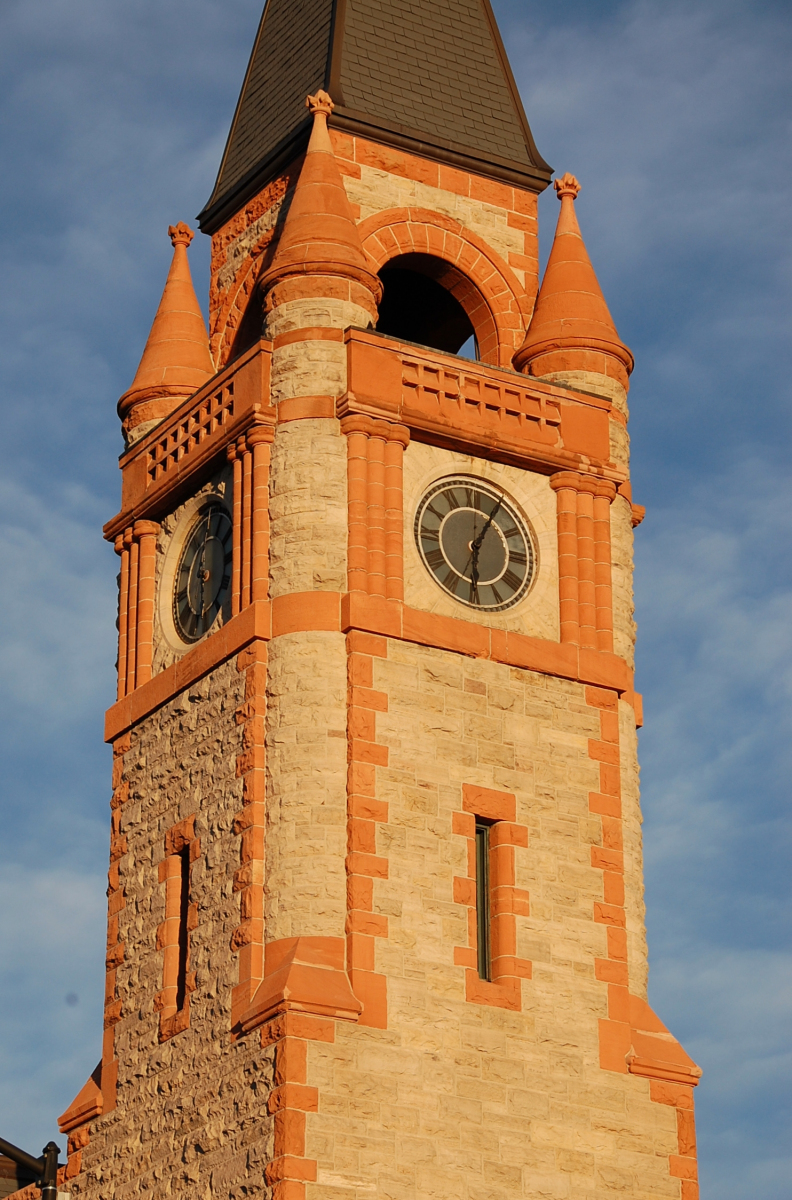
[203,576]
[475,544]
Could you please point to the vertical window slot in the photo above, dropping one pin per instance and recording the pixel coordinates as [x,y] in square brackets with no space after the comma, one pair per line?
[184,905]
[483,900]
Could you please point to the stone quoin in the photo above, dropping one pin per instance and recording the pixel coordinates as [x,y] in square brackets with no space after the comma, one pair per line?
[375,899]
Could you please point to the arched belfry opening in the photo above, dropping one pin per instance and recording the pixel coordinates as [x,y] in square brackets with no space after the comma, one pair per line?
[426,300]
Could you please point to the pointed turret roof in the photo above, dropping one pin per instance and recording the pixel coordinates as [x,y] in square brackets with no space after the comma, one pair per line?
[571,321]
[319,234]
[432,79]
[176,360]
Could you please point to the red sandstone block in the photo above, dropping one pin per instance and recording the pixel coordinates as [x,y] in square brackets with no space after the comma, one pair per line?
[614,1042]
[518,221]
[367,643]
[613,888]
[612,833]
[686,1132]
[618,1002]
[368,752]
[617,943]
[291,1059]
[524,202]
[368,698]
[360,893]
[501,865]
[360,952]
[372,992]
[506,833]
[362,779]
[289,1133]
[610,780]
[464,824]
[465,956]
[288,1189]
[607,860]
[491,192]
[360,670]
[367,864]
[465,891]
[604,752]
[288,1168]
[451,180]
[682,1168]
[602,698]
[689,1190]
[609,726]
[507,966]
[521,262]
[605,805]
[608,914]
[367,922]
[362,723]
[678,1095]
[367,809]
[609,971]
[487,803]
[293,1095]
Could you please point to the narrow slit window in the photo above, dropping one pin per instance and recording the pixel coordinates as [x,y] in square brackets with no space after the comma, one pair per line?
[184,905]
[483,900]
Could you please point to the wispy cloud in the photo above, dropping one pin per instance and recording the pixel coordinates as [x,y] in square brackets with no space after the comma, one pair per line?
[676,118]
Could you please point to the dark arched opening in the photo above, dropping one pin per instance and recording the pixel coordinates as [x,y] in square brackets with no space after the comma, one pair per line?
[417,307]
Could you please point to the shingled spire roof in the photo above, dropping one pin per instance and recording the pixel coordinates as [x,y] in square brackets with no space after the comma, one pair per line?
[432,79]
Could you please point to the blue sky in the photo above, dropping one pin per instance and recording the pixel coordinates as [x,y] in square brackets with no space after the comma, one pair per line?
[676,118]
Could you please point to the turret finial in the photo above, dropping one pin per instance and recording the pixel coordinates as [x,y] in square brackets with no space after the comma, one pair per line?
[567,185]
[320,103]
[180,235]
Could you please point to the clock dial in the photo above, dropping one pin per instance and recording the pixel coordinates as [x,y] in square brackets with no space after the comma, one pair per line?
[203,576]
[474,543]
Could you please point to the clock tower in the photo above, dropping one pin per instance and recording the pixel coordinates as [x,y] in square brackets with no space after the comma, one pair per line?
[375,916]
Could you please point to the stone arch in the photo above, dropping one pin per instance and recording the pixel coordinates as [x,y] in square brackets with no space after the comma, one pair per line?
[472,271]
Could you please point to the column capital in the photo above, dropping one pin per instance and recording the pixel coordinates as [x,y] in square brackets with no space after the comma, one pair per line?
[389,431]
[146,529]
[260,434]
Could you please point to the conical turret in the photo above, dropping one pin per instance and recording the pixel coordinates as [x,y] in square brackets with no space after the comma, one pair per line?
[176,360]
[572,331]
[320,237]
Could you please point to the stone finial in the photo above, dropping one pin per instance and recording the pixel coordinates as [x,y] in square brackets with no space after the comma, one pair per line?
[571,329]
[567,185]
[176,360]
[320,103]
[180,235]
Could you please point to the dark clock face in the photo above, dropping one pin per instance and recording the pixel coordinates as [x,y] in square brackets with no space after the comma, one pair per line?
[474,543]
[203,576]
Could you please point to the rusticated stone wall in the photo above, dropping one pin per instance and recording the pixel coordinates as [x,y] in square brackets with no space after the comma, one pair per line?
[191,1116]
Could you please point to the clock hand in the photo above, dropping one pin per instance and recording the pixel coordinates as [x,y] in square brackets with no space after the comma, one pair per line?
[477,544]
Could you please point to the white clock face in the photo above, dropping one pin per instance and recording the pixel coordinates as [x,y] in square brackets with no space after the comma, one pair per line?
[203,576]
[475,544]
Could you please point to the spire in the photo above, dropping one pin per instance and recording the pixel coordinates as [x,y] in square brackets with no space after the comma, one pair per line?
[431,79]
[571,328]
[176,360]
[319,235]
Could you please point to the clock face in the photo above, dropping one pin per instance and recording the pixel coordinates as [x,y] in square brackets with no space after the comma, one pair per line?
[203,576]
[475,544]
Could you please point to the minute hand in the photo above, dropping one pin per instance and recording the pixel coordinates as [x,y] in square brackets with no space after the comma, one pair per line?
[476,545]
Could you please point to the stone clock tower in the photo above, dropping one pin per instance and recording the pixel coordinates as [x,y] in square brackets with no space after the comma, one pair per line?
[376,923]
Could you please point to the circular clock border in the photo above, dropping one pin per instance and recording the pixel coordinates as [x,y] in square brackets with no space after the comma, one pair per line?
[509,506]
[210,505]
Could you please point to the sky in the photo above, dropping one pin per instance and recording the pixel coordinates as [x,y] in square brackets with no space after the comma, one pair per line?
[676,118]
